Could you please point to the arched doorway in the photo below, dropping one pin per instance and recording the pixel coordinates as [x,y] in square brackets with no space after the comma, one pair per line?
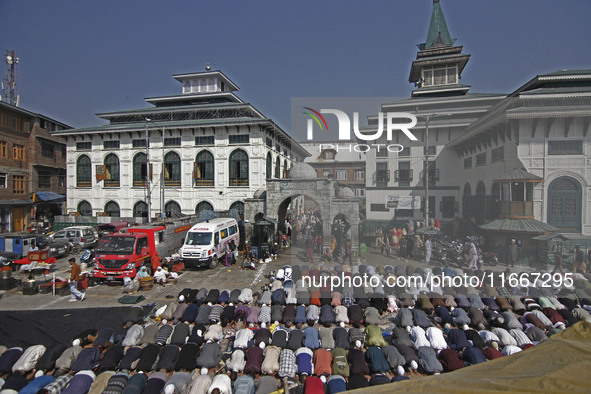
[112,209]
[84,208]
[140,210]
[564,204]
[467,202]
[304,216]
[238,206]
[172,209]
[203,206]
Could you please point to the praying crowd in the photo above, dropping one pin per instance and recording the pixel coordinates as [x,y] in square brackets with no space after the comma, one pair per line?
[300,339]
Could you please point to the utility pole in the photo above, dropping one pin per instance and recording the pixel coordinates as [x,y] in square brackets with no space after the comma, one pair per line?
[426,171]
[148,189]
[162,216]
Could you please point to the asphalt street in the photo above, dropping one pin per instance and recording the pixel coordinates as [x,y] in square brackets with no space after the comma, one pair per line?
[221,277]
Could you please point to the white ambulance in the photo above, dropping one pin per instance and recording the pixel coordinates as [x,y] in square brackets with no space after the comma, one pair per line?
[205,243]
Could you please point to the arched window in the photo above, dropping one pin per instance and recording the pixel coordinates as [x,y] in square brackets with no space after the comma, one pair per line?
[565,204]
[140,210]
[285,170]
[172,169]
[140,170]
[278,168]
[269,173]
[83,172]
[204,169]
[84,208]
[172,209]
[111,170]
[203,206]
[238,168]
[112,209]
[239,206]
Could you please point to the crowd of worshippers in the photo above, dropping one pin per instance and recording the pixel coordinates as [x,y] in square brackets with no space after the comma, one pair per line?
[307,340]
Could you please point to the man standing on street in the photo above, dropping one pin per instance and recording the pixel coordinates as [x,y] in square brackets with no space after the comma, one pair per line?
[473,256]
[579,265]
[75,294]
[428,249]
[512,253]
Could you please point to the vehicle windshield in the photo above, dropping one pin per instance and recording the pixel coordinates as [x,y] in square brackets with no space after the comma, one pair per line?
[116,245]
[196,238]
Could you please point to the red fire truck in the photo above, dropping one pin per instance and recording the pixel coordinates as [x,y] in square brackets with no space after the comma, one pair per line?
[122,254]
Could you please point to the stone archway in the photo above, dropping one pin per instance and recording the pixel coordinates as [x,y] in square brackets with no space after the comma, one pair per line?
[303,182]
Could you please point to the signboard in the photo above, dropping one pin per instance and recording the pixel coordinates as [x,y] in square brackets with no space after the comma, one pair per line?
[401,202]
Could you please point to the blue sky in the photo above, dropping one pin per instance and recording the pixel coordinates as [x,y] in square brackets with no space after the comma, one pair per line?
[78,58]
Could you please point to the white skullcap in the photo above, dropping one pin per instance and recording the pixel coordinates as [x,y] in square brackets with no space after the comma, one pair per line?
[358,343]
[164,322]
[169,389]
[204,371]
[262,345]
[76,342]
[323,378]
[400,370]
[414,365]
[263,325]
[465,327]
[342,324]
[38,374]
[181,298]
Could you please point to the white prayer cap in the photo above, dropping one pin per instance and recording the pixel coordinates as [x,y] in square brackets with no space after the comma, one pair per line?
[169,389]
[343,324]
[262,345]
[204,371]
[38,373]
[76,342]
[414,365]
[164,322]
[181,298]
[400,370]
[323,378]
[263,325]
[358,343]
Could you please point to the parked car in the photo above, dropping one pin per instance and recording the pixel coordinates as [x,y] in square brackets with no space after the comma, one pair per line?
[57,248]
[83,236]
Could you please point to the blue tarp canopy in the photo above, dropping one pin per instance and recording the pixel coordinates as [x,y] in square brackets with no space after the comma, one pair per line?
[48,196]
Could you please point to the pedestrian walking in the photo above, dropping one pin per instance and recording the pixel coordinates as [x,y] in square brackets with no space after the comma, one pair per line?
[512,253]
[579,265]
[473,256]
[75,294]
[348,252]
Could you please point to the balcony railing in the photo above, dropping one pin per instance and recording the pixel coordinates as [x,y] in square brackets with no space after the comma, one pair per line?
[517,209]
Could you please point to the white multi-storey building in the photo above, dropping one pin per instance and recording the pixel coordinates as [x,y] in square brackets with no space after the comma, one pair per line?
[202,149]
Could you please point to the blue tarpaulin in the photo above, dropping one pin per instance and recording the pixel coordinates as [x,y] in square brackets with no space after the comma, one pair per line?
[48,196]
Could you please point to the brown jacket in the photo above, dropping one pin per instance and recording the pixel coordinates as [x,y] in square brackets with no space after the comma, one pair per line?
[75,272]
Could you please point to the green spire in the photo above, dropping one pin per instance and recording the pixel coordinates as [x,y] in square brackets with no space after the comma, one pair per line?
[438,34]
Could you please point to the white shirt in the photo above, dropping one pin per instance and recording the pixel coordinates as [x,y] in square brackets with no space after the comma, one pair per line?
[242,338]
[435,336]
[221,382]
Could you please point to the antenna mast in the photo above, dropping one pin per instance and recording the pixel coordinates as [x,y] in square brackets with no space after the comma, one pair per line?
[10,80]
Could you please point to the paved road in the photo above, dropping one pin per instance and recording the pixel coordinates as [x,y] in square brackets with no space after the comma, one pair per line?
[220,277]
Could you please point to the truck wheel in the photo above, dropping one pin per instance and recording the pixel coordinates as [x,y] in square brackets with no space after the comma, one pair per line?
[214,262]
